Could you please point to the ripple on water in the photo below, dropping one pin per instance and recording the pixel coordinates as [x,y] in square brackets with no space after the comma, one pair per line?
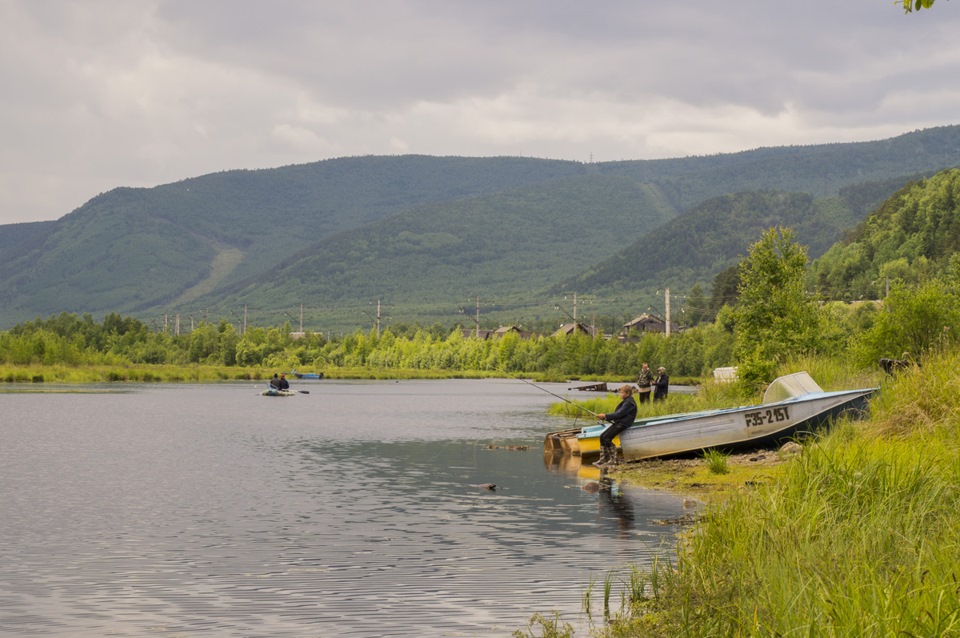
[188,510]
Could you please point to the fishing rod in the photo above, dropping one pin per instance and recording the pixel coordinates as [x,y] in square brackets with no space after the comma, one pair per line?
[561,398]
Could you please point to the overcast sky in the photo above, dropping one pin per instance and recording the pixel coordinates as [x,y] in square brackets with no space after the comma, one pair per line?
[104,93]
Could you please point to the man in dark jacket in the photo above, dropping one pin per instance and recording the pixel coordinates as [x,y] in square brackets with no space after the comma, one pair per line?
[662,385]
[620,419]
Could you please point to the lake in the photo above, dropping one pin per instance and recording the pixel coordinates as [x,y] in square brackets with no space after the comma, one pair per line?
[355,510]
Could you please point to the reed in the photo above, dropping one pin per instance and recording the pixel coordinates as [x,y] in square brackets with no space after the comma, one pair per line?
[548,627]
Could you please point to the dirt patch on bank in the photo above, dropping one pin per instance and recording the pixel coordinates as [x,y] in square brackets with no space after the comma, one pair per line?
[693,477]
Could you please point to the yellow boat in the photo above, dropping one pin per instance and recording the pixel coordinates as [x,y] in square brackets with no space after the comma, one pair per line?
[582,442]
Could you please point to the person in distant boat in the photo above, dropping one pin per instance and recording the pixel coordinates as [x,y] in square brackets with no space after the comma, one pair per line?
[662,385]
[644,381]
[284,384]
[275,382]
[620,419]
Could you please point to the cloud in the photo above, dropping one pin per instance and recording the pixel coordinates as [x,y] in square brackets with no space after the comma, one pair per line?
[111,93]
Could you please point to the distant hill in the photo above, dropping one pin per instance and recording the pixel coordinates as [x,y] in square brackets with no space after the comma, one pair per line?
[138,250]
[715,234]
[424,233]
[509,243]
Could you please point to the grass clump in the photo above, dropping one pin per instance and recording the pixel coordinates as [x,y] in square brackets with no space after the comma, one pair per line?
[717,462]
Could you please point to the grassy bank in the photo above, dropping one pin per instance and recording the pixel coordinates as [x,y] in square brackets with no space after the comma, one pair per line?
[38,374]
[857,535]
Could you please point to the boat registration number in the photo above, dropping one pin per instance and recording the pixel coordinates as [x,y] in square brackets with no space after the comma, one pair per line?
[766,417]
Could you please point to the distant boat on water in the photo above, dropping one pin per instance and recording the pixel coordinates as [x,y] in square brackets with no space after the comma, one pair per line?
[307,375]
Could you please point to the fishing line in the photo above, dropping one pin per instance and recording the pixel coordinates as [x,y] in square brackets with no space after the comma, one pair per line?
[561,398]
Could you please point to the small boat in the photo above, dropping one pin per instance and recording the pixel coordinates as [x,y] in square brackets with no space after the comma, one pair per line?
[792,405]
[307,375]
[274,392]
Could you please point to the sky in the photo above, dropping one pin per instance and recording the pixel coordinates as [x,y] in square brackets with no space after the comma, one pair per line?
[99,94]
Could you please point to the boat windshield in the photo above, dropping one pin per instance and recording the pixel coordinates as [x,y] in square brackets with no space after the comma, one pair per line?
[790,386]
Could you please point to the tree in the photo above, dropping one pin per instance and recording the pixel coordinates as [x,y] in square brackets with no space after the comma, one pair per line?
[910,5]
[914,321]
[774,318]
[725,286]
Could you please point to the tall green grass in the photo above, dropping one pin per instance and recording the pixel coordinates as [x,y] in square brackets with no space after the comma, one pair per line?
[859,537]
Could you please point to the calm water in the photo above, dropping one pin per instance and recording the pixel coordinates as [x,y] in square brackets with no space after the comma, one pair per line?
[189,510]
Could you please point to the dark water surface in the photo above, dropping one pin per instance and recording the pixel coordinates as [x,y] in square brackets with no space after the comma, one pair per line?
[208,510]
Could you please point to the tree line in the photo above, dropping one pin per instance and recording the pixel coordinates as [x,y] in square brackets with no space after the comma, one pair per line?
[773,318]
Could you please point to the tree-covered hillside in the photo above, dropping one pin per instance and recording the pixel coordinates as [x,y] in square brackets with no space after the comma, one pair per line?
[821,170]
[510,243]
[137,250]
[914,235]
[713,236]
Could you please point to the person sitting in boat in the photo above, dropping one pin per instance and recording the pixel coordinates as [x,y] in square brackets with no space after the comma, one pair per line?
[662,385]
[275,382]
[620,419]
[284,384]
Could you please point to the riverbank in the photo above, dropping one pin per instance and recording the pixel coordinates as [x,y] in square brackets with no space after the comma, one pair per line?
[854,535]
[693,478]
[197,373]
[122,373]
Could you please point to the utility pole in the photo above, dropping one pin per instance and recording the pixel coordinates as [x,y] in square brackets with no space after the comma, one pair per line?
[478,316]
[301,320]
[378,318]
[666,298]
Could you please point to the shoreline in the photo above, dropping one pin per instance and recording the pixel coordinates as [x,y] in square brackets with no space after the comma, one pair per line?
[692,478]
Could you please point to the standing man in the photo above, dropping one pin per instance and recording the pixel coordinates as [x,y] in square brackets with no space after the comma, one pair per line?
[620,419]
[644,381]
[662,385]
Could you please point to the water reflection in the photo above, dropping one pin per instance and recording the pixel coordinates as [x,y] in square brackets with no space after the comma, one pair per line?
[614,504]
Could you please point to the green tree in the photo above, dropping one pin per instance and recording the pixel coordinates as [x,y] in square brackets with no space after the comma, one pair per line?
[774,318]
[910,5]
[913,321]
[725,286]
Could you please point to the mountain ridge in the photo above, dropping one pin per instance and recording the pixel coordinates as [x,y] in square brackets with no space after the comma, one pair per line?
[211,243]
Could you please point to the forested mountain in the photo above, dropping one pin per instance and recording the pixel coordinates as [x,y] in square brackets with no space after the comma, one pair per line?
[507,245]
[424,233]
[914,234]
[820,170]
[712,236]
[140,250]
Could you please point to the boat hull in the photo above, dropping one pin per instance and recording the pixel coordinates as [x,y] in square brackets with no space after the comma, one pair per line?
[749,427]
[589,441]
[273,392]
